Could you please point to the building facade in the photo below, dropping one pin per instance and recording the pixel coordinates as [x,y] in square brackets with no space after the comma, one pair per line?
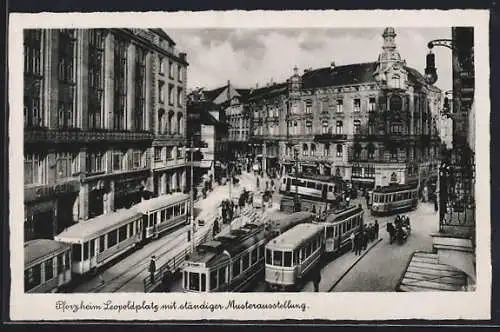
[89,122]
[370,123]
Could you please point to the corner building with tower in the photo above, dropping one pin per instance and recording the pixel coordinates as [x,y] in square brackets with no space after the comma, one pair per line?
[104,123]
[373,123]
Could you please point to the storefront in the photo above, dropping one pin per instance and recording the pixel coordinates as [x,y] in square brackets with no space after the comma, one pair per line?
[49,209]
[98,194]
[129,191]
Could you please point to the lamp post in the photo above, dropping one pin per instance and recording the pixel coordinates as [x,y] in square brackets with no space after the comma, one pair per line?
[191,194]
[296,201]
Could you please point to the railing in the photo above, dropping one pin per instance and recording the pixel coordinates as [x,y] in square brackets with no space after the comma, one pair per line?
[83,136]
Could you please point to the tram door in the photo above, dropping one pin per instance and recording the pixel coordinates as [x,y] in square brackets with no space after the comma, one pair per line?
[145,225]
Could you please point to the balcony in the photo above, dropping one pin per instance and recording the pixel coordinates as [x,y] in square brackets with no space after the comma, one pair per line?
[168,164]
[78,136]
[330,137]
[169,139]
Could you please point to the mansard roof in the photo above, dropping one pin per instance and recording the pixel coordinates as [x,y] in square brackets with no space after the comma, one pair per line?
[268,91]
[164,35]
[341,75]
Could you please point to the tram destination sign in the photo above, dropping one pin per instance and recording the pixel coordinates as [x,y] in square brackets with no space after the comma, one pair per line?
[39,192]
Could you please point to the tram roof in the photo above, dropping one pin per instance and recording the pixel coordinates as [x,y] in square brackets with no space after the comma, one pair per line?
[321,178]
[394,188]
[294,237]
[343,213]
[36,250]
[160,202]
[86,230]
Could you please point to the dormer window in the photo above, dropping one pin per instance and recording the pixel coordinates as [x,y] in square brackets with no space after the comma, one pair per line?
[395,81]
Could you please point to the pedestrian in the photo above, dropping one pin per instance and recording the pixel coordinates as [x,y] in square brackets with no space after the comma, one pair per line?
[436,207]
[376,229]
[152,269]
[167,278]
[317,279]
[352,241]
[357,243]
[365,239]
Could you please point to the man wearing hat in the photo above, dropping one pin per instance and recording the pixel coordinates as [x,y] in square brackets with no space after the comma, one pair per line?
[152,269]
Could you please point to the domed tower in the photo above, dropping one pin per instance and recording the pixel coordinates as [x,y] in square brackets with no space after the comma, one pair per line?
[390,72]
[295,82]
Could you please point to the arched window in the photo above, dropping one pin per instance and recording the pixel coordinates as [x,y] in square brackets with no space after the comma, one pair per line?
[339,150]
[295,128]
[340,128]
[394,178]
[305,149]
[324,129]
[326,150]
[313,149]
[337,172]
[395,81]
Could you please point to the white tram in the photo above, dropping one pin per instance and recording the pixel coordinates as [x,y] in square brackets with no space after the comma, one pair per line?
[394,198]
[317,188]
[99,240]
[47,266]
[339,225]
[163,213]
[231,262]
[292,255]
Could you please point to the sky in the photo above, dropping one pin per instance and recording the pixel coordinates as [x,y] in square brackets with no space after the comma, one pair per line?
[248,57]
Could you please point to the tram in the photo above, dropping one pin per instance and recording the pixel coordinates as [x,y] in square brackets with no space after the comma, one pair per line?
[231,262]
[338,227]
[394,199]
[317,188]
[292,255]
[47,266]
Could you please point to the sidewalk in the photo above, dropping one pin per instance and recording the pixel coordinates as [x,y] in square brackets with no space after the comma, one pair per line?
[335,270]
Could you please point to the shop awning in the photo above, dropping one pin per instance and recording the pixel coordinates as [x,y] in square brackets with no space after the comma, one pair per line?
[426,274]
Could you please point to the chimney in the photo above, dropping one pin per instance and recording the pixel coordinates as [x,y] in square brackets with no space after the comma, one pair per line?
[228,89]
[182,55]
[256,85]
[332,65]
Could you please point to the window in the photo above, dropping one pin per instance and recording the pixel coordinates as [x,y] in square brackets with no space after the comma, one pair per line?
[122,233]
[179,153]
[340,106]
[112,238]
[222,275]
[102,243]
[65,113]
[357,105]
[339,128]
[394,153]
[371,151]
[77,252]
[356,170]
[313,149]
[308,107]
[64,165]
[179,73]
[245,262]
[32,277]
[213,279]
[194,281]
[117,160]
[370,171]
[371,127]
[395,82]
[357,126]
[136,159]
[170,150]
[203,282]
[324,128]
[268,257]
[49,269]
[326,150]
[253,256]
[357,151]
[277,258]
[305,149]
[95,162]
[33,169]
[396,128]
[162,66]
[288,259]
[33,115]
[85,251]
[308,127]
[161,91]
[120,84]
[66,57]
[394,177]
[170,69]
[140,89]
[371,104]
[180,98]
[157,153]
[171,93]
[339,150]
[236,268]
[96,82]
[295,128]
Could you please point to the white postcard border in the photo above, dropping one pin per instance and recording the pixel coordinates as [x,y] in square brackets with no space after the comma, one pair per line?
[334,306]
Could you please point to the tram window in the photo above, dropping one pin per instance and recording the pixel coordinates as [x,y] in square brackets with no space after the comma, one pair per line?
[245,262]
[60,263]
[277,258]
[32,277]
[288,259]
[203,282]
[284,180]
[67,261]
[194,281]
[85,251]
[222,275]
[268,257]
[162,215]
[49,269]
[169,213]
[112,238]
[177,210]
[236,268]
[122,234]
[329,232]
[319,186]
[254,256]
[261,252]
[102,244]
[330,188]
[92,247]
[183,208]
[185,280]
[213,279]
